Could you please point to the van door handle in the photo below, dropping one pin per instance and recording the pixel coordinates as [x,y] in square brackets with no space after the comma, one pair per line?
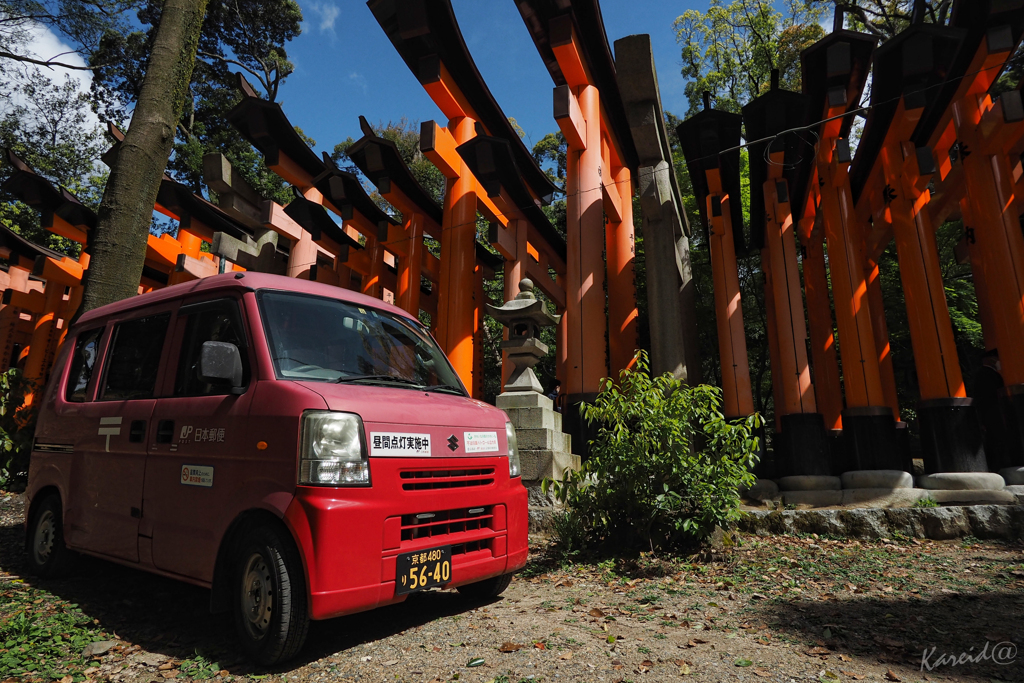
[137,432]
[164,431]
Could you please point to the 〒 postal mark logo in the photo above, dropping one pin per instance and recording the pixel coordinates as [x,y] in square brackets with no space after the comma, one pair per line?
[110,426]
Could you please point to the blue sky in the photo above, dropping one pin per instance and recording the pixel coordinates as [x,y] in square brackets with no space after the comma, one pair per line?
[345,66]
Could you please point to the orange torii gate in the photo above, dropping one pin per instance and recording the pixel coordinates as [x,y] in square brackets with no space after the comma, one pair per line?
[426,35]
[935,143]
[801,439]
[359,248]
[168,260]
[602,161]
[710,141]
[380,161]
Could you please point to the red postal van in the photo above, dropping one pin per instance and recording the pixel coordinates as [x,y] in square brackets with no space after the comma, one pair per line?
[302,450]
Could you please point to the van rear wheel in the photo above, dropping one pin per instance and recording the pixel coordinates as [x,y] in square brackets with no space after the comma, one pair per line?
[270,611]
[47,555]
[488,588]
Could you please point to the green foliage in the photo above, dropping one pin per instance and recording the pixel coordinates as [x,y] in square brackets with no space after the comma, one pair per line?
[250,36]
[405,134]
[731,49]
[47,126]
[17,426]
[571,531]
[665,465]
[925,503]
[41,634]
[82,23]
[199,668]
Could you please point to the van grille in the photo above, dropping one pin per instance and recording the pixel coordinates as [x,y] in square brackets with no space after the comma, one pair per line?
[471,547]
[445,522]
[419,480]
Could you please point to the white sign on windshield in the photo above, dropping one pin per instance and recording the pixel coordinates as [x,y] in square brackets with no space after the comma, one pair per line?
[387,444]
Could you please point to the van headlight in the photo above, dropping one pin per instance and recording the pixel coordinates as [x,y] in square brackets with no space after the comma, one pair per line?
[514,468]
[333,450]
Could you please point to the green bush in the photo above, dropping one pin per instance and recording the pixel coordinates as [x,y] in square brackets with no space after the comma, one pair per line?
[665,465]
[571,532]
[928,502]
[17,427]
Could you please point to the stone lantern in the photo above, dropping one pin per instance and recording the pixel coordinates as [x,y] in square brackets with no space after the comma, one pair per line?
[544,450]
[524,317]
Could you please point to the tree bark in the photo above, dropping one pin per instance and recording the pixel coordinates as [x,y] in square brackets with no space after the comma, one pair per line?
[117,246]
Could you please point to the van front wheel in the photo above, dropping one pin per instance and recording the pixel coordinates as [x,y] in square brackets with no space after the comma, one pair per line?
[271,615]
[488,588]
[47,555]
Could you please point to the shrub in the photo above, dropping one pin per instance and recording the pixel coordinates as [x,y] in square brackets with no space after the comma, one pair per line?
[927,502]
[570,530]
[17,427]
[665,465]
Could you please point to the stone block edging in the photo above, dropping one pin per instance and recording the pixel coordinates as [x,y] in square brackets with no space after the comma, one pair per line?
[1004,522]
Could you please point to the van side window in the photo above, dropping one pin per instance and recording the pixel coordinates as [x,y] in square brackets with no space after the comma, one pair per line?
[135,358]
[87,347]
[209,321]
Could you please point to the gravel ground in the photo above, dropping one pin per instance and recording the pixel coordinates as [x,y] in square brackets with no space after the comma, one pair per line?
[778,609]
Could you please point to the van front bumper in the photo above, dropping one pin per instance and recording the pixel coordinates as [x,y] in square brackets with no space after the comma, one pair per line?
[350,538]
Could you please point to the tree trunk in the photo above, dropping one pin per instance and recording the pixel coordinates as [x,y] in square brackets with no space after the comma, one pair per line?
[117,247]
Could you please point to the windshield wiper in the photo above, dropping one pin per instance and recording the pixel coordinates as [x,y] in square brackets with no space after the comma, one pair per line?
[376,378]
[447,388]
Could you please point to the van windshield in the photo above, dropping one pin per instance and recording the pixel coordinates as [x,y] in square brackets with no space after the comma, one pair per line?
[322,339]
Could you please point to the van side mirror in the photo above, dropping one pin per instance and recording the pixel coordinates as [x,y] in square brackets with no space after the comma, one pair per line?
[220,362]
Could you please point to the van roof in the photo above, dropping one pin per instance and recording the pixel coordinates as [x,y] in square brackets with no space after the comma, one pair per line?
[247,281]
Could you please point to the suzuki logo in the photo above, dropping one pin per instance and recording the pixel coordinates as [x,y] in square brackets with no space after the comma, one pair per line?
[453,442]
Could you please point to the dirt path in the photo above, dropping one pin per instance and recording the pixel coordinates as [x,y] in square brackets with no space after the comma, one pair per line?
[776,609]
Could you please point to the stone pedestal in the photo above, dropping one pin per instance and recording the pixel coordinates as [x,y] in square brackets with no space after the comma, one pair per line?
[544,451]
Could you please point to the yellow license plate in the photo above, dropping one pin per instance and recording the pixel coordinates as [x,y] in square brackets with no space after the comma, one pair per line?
[424,569]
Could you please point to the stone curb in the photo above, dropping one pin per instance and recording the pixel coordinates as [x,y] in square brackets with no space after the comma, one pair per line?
[982,521]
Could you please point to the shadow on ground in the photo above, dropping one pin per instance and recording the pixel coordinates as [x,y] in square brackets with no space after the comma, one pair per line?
[172,618]
[932,631]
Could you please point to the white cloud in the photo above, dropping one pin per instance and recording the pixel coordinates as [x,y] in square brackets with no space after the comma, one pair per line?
[358,79]
[44,44]
[328,13]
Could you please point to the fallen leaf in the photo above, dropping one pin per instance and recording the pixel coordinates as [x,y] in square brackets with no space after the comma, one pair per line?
[391,662]
[510,647]
[758,596]
[540,646]
[856,677]
[476,661]
[830,675]
[743,662]
[567,656]
[611,639]
[816,651]
[696,641]
[890,676]
[762,672]
[684,669]
[596,613]
[845,658]
[827,633]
